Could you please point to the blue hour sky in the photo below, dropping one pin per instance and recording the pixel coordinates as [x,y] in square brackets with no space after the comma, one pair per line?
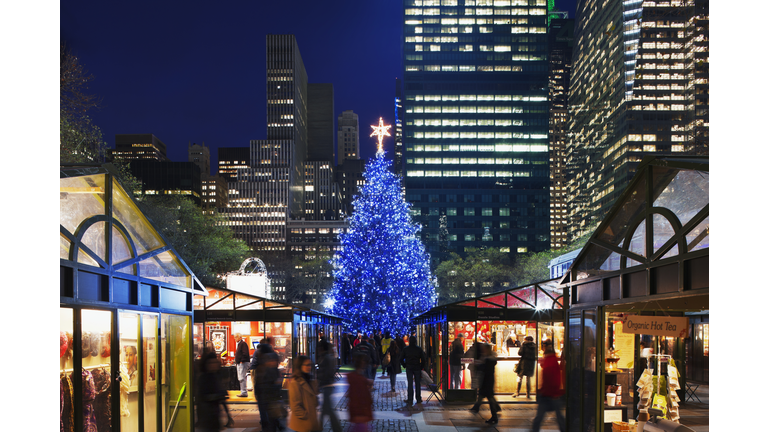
[195,71]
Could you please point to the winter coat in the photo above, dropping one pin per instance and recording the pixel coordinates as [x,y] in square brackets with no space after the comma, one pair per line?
[414,358]
[360,400]
[242,355]
[551,377]
[327,370]
[457,350]
[303,402]
[489,376]
[394,359]
[367,349]
[527,353]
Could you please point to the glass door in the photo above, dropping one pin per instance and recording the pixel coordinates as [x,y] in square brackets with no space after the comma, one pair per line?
[129,371]
[175,372]
[149,370]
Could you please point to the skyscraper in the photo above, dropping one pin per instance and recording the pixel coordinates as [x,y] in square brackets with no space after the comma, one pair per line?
[348,136]
[560,49]
[200,155]
[639,87]
[129,147]
[320,132]
[475,122]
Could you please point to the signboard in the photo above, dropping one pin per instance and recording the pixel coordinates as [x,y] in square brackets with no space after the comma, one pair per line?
[656,325]
[624,343]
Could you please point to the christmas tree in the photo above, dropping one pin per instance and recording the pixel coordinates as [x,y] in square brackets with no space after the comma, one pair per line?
[381,276]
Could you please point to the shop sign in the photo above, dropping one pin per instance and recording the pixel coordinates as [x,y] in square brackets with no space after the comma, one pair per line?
[490,315]
[656,325]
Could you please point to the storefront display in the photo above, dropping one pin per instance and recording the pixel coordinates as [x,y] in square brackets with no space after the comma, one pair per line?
[111,300]
[638,282]
[294,330]
[502,320]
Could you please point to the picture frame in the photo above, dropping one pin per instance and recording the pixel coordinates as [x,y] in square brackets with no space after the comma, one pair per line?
[219,337]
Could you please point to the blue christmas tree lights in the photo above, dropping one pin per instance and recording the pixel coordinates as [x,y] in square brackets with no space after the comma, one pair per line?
[382,277]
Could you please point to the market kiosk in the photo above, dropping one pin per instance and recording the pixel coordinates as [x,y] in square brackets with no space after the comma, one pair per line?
[295,329]
[635,288]
[125,312]
[501,319]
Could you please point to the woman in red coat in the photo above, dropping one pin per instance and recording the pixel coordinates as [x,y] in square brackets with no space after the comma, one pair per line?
[551,388]
[360,400]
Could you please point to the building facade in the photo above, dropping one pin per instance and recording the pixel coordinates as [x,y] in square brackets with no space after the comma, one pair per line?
[475,123]
[398,127]
[231,159]
[639,87]
[169,178]
[348,136]
[200,155]
[560,63]
[130,147]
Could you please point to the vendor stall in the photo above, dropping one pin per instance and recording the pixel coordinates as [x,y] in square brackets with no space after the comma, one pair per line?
[635,288]
[503,320]
[125,312]
[294,329]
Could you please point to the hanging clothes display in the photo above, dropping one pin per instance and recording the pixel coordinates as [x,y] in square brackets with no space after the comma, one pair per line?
[89,394]
[67,408]
[103,401]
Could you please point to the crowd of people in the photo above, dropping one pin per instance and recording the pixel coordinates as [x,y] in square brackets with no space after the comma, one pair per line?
[365,353]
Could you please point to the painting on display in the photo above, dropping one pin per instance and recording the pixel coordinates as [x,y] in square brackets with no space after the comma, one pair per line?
[218,337]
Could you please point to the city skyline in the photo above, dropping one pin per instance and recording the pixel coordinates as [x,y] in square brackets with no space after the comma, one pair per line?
[191,81]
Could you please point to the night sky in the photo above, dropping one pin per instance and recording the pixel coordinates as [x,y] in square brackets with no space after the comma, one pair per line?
[196,72]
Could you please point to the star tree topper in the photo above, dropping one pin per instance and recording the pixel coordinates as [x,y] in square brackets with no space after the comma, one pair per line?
[380,132]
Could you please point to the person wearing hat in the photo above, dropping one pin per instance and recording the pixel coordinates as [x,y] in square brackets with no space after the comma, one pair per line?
[457,351]
[526,366]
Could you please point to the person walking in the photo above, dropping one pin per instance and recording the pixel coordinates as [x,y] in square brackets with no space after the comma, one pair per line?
[394,352]
[268,394]
[551,388]
[526,366]
[487,386]
[326,377]
[346,347]
[385,342]
[415,360]
[365,347]
[457,351]
[264,347]
[242,360]
[360,399]
[357,340]
[302,394]
[211,396]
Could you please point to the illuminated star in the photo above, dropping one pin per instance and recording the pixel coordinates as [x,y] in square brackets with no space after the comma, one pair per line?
[381,131]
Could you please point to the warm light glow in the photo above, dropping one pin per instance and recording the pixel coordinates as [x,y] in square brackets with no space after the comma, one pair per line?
[380,132]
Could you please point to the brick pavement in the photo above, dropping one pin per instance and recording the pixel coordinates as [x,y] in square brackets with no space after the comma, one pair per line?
[391,414]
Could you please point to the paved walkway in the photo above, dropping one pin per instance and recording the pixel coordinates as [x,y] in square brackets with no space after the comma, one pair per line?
[391,414]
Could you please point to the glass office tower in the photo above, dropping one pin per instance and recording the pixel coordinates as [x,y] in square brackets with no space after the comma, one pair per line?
[475,123]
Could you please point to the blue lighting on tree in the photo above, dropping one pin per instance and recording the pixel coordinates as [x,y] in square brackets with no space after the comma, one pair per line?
[381,275]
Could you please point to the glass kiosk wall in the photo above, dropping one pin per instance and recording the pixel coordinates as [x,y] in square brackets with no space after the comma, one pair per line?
[125,297]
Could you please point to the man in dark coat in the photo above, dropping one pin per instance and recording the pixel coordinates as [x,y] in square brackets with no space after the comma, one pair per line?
[414,359]
[487,385]
[264,348]
[242,358]
[457,351]
[326,378]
